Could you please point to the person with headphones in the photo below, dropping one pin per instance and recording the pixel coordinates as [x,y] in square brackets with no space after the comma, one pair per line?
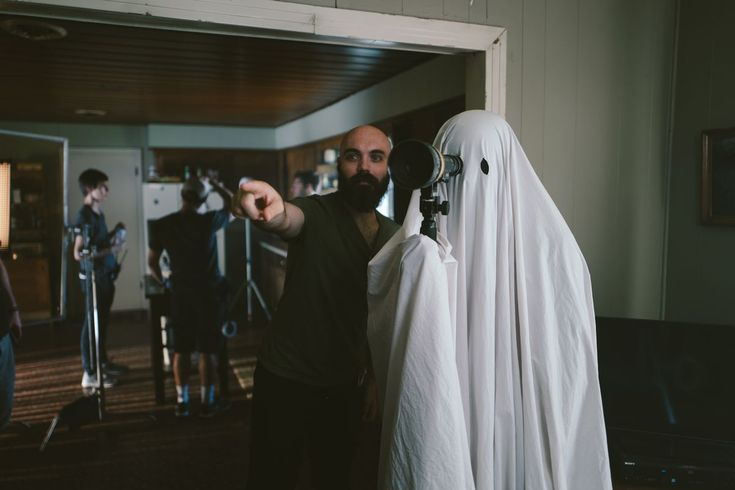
[196,284]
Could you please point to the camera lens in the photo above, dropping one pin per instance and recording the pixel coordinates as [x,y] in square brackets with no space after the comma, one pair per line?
[414,164]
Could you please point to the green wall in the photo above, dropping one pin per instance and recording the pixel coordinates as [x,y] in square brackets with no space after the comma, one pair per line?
[700,279]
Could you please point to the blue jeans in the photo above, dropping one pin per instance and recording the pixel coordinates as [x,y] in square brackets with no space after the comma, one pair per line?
[7,379]
[105,295]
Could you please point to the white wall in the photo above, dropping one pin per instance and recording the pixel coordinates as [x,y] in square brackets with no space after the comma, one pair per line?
[589,86]
[594,121]
[700,281]
[85,134]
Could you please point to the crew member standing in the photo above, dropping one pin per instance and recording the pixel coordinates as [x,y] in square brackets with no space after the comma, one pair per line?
[198,289]
[305,183]
[310,381]
[94,186]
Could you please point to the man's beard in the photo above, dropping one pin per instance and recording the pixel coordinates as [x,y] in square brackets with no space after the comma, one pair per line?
[363,198]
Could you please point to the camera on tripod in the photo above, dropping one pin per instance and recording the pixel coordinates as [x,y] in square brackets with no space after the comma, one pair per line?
[416,164]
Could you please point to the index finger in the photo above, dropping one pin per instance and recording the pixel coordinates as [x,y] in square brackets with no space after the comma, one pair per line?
[256,187]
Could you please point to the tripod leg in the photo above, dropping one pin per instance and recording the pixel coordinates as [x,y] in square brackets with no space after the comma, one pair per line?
[49,433]
[248,272]
[249,300]
[98,351]
[223,368]
[254,287]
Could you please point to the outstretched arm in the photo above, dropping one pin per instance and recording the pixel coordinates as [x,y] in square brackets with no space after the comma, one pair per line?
[224,193]
[261,203]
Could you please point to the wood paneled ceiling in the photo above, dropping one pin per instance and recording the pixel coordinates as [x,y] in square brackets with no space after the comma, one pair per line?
[142,75]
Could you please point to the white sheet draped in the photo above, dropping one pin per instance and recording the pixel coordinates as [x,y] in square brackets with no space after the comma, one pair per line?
[424,439]
[520,310]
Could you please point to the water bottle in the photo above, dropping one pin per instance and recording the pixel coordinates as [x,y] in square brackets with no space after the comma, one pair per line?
[119,237]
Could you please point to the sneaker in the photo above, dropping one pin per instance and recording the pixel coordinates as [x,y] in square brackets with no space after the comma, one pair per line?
[90,381]
[208,410]
[114,369]
[182,409]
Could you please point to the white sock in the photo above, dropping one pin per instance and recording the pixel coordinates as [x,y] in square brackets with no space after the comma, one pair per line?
[208,394]
[182,393]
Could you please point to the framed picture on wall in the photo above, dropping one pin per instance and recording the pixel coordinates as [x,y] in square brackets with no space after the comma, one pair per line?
[718,177]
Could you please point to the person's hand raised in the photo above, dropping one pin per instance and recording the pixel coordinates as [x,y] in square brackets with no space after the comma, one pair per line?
[258,201]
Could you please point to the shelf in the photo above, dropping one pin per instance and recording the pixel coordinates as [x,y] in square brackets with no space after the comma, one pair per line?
[32,235]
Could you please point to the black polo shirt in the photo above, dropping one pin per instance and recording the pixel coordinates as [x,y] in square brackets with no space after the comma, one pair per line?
[319,328]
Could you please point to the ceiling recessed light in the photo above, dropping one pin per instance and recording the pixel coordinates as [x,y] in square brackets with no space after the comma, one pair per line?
[90,113]
[34,30]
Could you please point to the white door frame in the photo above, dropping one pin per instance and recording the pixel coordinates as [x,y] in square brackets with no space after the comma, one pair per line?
[64,145]
[485,68]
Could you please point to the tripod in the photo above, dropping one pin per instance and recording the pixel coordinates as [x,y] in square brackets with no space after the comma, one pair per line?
[249,282]
[89,407]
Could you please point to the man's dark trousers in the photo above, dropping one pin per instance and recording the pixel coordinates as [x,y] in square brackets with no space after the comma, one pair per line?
[292,419]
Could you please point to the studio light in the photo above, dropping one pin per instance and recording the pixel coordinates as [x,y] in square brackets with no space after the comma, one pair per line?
[4,205]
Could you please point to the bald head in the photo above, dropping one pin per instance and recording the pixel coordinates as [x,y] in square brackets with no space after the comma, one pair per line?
[363,167]
[365,137]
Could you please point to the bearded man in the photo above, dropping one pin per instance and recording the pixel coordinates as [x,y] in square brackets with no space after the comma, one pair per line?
[313,380]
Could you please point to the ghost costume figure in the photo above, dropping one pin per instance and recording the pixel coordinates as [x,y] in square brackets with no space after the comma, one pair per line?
[483,342]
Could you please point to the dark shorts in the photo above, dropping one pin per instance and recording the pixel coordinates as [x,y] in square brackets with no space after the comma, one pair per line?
[196,318]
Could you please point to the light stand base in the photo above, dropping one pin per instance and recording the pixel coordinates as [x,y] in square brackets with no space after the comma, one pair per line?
[84,411]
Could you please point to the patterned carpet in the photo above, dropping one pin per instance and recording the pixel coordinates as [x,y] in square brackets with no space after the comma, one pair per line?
[139,445]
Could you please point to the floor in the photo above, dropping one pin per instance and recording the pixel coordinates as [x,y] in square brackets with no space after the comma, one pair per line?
[139,445]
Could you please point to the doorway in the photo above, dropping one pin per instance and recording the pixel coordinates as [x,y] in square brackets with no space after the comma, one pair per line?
[35,258]
[123,204]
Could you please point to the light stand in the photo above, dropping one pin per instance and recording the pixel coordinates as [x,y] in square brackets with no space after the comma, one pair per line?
[250,282]
[95,347]
[90,408]
[78,412]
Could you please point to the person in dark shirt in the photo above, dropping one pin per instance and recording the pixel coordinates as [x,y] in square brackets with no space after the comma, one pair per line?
[313,381]
[94,186]
[197,288]
[10,332]
[305,183]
